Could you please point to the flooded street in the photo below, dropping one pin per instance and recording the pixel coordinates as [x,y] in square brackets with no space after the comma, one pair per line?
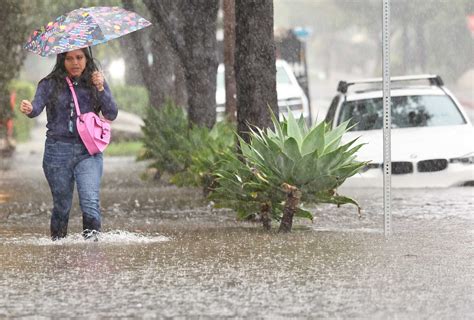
[166,253]
[393,78]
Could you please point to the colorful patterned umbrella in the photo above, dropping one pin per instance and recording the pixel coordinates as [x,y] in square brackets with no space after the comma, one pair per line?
[82,28]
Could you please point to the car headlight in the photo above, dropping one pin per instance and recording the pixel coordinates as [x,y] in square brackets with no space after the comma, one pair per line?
[466,159]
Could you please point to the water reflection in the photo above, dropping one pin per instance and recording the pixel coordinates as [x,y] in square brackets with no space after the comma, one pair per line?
[4,197]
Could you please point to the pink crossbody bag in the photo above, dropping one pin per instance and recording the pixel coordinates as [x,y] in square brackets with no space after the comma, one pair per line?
[94,131]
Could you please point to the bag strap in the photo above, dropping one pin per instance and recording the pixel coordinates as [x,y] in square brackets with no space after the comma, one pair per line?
[71,87]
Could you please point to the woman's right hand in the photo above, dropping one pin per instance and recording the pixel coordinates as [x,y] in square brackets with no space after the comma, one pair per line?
[26,107]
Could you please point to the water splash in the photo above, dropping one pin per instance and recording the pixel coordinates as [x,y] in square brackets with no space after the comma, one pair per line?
[114,237]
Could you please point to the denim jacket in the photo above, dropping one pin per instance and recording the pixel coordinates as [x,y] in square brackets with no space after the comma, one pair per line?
[61,110]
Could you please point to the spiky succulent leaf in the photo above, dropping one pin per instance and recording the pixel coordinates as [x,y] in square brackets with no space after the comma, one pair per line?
[333,137]
[293,130]
[301,213]
[314,140]
[305,168]
[303,125]
[334,198]
[291,149]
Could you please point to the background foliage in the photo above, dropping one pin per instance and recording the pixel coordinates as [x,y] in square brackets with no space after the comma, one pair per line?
[132,99]
[22,124]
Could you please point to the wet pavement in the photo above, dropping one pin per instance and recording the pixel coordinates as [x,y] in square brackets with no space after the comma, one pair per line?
[166,253]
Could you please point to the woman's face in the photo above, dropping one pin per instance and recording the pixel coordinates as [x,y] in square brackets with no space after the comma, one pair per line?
[75,63]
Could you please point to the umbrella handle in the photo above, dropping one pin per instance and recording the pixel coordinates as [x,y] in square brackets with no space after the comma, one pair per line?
[97,64]
[92,57]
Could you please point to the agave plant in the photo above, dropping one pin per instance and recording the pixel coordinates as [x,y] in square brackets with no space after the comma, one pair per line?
[289,165]
[238,187]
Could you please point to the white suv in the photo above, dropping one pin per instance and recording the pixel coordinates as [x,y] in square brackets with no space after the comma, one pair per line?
[290,94]
[431,136]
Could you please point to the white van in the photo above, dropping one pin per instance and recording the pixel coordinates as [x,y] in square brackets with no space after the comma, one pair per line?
[290,94]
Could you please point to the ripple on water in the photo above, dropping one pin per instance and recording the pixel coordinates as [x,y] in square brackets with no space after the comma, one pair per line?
[115,237]
[349,230]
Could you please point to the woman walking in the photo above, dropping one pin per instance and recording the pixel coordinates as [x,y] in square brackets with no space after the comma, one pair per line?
[66,161]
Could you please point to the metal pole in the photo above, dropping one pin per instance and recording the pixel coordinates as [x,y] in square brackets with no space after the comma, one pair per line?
[387,120]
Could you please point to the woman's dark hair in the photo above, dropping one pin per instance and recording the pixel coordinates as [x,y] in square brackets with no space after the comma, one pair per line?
[59,73]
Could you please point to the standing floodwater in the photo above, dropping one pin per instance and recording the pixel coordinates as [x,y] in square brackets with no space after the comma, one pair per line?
[166,253]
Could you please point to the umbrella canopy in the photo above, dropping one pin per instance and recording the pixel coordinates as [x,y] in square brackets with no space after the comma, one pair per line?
[82,28]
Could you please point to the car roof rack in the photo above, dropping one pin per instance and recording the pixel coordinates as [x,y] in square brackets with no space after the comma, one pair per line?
[434,80]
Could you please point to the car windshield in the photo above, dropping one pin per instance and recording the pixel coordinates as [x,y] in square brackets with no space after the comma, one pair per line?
[282,76]
[407,112]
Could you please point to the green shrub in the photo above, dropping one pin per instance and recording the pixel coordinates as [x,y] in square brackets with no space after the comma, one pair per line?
[166,139]
[206,155]
[189,155]
[133,99]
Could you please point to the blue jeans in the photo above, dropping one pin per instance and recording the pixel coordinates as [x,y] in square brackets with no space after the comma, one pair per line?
[66,163]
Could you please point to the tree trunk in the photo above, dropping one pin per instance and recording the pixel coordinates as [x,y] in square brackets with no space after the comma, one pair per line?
[14,32]
[162,70]
[201,73]
[229,50]
[293,196]
[180,94]
[255,70]
[157,76]
[265,212]
[196,50]
[200,94]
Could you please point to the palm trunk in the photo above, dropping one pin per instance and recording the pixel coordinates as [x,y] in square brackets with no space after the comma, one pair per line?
[180,94]
[265,216]
[293,196]
[255,70]
[201,90]
[199,35]
[195,46]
